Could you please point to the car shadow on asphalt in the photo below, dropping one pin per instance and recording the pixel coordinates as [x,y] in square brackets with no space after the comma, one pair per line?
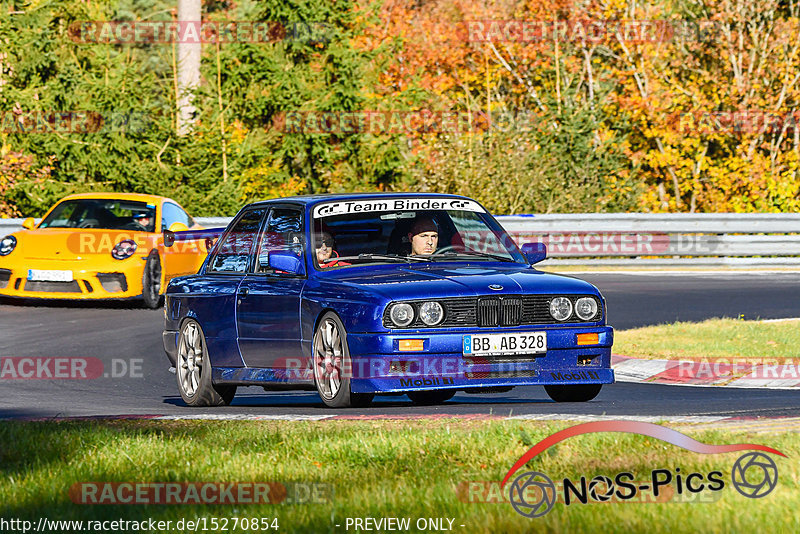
[311,400]
[128,304]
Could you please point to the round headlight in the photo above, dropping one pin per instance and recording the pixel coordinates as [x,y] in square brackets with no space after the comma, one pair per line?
[560,308]
[7,245]
[124,249]
[431,313]
[402,314]
[586,308]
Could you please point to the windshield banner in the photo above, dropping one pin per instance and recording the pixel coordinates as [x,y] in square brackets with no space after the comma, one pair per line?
[344,207]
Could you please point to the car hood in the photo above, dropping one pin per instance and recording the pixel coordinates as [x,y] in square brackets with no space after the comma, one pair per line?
[72,244]
[442,280]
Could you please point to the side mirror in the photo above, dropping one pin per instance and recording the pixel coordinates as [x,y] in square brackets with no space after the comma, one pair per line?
[178,227]
[534,252]
[169,238]
[28,223]
[283,260]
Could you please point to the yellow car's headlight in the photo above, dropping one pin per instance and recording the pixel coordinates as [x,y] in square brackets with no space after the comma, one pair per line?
[7,245]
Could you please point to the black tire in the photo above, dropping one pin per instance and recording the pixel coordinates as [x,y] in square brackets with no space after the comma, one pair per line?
[151,281]
[428,398]
[193,370]
[575,393]
[331,365]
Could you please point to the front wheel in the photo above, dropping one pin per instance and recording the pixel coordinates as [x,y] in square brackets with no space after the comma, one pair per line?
[576,393]
[332,366]
[428,398]
[193,370]
[151,281]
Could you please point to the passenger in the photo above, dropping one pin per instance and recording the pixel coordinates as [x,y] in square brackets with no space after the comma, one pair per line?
[324,250]
[423,236]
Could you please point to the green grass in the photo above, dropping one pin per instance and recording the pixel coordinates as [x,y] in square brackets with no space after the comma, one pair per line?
[714,338]
[408,468]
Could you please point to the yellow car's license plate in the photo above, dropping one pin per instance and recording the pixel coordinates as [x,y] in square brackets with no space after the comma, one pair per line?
[42,275]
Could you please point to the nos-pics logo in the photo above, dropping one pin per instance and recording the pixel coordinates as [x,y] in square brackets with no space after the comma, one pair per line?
[533,494]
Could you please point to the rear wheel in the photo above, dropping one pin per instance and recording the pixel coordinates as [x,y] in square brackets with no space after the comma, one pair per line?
[331,361]
[427,398]
[576,393]
[151,281]
[193,370]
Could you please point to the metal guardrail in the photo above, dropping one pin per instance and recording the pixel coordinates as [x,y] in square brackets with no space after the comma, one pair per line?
[704,239]
[707,239]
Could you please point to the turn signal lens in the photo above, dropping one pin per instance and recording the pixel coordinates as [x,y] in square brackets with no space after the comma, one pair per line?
[406,345]
[588,339]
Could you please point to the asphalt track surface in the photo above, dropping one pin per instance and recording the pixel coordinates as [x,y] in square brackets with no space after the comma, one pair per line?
[125,333]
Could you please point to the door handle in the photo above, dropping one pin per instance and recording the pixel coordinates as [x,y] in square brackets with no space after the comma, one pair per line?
[244,291]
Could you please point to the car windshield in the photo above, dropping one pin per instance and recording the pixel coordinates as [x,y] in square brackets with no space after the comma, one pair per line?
[406,230]
[102,213]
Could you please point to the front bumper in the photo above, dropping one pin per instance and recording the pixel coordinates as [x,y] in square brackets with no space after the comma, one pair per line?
[91,280]
[377,365]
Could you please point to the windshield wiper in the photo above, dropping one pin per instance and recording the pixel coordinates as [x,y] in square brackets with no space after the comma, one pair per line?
[450,255]
[380,257]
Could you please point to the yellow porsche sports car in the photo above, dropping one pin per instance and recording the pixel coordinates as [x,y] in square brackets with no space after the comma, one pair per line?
[99,246]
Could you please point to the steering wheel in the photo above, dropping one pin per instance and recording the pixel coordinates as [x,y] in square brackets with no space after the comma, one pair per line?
[135,225]
[89,223]
[448,248]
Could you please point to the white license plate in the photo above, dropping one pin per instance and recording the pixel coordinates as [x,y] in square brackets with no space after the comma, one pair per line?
[41,275]
[505,344]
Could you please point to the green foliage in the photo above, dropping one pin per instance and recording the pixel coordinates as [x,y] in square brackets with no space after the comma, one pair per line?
[542,161]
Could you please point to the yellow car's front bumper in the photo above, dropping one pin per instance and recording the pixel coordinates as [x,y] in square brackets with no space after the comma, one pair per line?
[114,279]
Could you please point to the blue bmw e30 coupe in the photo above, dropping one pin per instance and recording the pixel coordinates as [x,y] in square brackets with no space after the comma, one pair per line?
[358,295]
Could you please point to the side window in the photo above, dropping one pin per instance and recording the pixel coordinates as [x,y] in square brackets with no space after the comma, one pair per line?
[233,253]
[172,213]
[284,232]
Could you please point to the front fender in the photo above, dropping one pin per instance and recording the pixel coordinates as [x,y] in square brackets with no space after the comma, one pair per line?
[359,310]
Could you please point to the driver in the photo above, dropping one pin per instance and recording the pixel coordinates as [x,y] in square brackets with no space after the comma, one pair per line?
[423,236]
[143,219]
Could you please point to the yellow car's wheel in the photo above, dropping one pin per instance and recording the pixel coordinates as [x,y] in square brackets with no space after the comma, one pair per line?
[151,281]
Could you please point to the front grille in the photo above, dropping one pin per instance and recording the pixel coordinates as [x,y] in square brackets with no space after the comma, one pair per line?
[488,312]
[495,310]
[501,374]
[53,287]
[500,311]
[5,276]
[507,358]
